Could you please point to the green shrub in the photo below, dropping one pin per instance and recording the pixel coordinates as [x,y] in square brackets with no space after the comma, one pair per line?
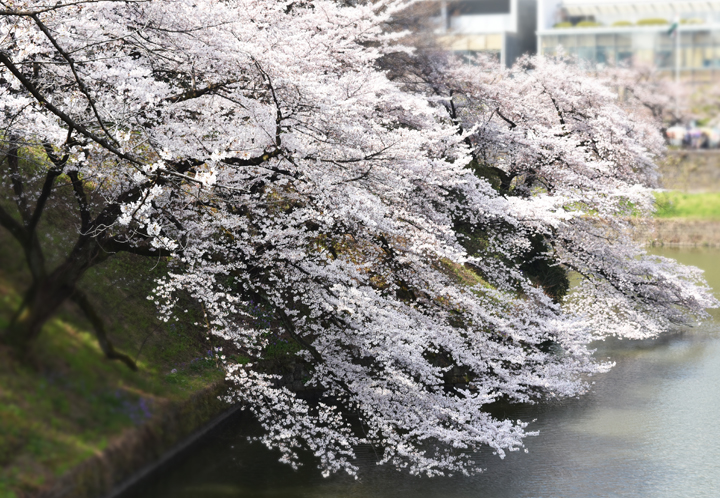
[653,21]
[622,23]
[588,24]
[563,24]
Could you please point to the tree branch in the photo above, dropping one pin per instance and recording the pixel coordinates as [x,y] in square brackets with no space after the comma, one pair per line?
[58,6]
[508,121]
[195,93]
[361,176]
[17,185]
[12,225]
[71,63]
[82,301]
[259,160]
[278,112]
[111,212]
[82,201]
[52,174]
[557,108]
[115,245]
[60,114]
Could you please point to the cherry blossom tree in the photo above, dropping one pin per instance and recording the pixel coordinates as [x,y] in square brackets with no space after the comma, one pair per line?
[644,89]
[411,231]
[546,133]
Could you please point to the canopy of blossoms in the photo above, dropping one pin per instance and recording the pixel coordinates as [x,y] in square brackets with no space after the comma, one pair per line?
[407,228]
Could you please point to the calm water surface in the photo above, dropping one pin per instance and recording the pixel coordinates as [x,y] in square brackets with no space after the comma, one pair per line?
[650,428]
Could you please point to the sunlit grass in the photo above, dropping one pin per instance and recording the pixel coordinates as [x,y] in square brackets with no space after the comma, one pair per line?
[701,206]
[68,401]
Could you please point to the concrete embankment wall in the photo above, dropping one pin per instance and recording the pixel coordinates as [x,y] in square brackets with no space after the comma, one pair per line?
[687,171]
[675,232]
[691,171]
[141,447]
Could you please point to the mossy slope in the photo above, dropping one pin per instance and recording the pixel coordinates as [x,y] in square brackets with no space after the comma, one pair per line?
[66,403]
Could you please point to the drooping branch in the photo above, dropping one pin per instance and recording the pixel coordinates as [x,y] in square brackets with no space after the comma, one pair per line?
[300,340]
[79,298]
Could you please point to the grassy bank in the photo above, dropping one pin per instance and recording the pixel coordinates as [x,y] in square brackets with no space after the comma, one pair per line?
[682,220]
[696,206]
[67,403]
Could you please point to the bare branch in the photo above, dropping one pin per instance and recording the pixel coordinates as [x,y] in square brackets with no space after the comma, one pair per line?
[195,93]
[508,121]
[115,245]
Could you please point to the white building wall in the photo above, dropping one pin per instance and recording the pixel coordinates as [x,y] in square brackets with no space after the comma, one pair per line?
[515,30]
[626,34]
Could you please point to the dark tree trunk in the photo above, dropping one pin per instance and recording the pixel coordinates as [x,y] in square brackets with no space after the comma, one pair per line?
[39,304]
[50,290]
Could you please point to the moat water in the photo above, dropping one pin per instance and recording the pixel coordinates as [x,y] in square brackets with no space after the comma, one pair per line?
[649,428]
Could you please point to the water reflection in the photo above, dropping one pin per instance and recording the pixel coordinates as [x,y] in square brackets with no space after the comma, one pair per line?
[649,429]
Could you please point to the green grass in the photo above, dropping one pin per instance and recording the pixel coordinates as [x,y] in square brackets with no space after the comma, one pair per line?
[280,349]
[66,402]
[701,206]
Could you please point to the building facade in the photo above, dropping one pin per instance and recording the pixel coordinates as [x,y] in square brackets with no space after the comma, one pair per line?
[505,28]
[608,32]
